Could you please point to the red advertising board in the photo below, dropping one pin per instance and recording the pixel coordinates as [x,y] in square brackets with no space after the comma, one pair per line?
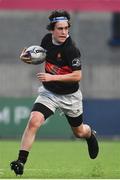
[76,5]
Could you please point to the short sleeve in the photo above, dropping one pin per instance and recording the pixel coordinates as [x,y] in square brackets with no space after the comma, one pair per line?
[74,58]
[46,40]
[43,42]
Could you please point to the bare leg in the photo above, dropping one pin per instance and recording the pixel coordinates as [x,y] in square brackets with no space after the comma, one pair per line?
[35,121]
[84,131]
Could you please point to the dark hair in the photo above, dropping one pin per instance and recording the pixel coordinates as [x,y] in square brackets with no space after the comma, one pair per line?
[58,13]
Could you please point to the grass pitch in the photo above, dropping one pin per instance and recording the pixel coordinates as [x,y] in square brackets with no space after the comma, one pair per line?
[62,160]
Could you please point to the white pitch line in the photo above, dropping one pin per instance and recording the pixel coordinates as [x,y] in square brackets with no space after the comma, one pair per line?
[36,169]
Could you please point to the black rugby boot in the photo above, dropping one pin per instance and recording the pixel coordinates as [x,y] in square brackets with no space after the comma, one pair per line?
[17,166]
[93,147]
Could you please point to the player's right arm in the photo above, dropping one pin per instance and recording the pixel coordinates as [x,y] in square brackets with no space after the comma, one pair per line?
[25,57]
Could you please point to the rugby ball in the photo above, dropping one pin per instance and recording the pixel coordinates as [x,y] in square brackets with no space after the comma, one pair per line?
[36,53]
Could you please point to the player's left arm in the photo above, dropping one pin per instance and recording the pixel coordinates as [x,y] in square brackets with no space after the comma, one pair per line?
[73,56]
[75,76]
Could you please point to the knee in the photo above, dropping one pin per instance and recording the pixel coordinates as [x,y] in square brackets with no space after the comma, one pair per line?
[36,120]
[79,134]
[82,131]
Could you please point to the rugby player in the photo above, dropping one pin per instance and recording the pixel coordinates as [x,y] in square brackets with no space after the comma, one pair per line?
[60,89]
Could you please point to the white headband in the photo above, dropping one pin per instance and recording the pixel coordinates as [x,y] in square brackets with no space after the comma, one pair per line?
[57,19]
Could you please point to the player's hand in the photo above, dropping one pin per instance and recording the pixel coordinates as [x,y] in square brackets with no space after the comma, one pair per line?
[25,57]
[45,77]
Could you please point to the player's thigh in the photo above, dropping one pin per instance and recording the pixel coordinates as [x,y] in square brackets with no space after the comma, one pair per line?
[75,122]
[72,104]
[41,111]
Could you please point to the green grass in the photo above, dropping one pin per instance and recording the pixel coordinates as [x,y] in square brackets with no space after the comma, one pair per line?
[63,159]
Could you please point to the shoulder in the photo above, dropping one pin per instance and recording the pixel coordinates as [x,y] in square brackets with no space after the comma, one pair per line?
[71,48]
[47,38]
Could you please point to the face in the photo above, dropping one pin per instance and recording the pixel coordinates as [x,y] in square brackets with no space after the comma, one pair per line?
[60,31]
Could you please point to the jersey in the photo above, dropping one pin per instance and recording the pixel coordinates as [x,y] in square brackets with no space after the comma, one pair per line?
[60,60]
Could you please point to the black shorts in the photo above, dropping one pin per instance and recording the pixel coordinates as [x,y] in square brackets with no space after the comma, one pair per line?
[73,121]
[43,109]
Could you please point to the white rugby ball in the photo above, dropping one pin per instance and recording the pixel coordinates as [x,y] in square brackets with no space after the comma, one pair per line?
[37,54]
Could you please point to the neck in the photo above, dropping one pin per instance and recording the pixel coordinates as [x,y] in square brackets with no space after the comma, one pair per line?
[55,42]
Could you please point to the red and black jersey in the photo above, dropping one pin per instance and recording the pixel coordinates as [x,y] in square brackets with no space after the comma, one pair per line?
[61,59]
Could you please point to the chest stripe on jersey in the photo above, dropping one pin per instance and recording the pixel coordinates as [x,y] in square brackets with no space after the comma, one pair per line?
[53,69]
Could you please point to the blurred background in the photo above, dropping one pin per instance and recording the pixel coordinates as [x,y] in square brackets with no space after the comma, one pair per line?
[96,31]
